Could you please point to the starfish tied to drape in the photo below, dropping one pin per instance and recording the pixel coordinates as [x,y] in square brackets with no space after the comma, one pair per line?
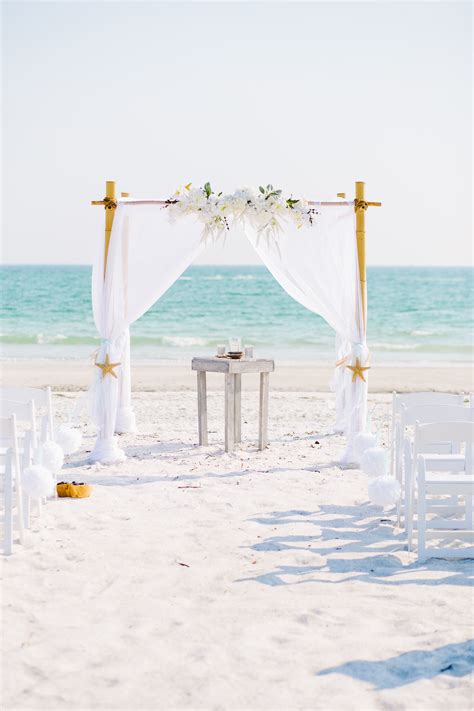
[107,368]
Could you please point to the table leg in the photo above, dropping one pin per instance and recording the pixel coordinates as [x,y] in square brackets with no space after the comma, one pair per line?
[229,412]
[238,408]
[202,407]
[263,414]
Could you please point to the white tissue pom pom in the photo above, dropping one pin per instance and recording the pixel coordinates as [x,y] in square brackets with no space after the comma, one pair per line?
[37,481]
[374,461]
[384,491]
[362,441]
[69,439]
[51,456]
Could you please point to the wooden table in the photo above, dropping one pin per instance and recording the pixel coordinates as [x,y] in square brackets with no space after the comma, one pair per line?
[233,370]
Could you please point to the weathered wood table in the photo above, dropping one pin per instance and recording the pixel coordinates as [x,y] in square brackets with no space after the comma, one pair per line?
[233,370]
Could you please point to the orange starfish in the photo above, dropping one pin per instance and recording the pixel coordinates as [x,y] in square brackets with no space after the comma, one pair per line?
[107,367]
[357,371]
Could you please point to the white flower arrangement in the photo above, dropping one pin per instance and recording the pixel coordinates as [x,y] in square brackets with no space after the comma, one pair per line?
[264,208]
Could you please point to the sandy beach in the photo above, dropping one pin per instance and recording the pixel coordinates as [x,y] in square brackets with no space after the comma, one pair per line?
[72,375]
[194,579]
[259,180]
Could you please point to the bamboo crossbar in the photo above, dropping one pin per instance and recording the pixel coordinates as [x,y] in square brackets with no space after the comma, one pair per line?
[129,201]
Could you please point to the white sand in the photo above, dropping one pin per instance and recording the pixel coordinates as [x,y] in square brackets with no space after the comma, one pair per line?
[298,595]
[71,375]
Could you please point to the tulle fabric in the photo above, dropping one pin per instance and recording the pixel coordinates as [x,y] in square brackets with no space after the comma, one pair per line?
[319,268]
[316,266]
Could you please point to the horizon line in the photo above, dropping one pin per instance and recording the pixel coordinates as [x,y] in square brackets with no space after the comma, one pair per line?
[243,264]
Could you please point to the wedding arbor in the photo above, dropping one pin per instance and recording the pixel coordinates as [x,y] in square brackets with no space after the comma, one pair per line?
[315,250]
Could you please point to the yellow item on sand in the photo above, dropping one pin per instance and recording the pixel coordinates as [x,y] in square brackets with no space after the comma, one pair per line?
[74,490]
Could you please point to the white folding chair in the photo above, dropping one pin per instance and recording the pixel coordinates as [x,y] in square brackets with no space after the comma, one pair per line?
[43,402]
[445,455]
[25,415]
[11,483]
[401,401]
[408,400]
[434,484]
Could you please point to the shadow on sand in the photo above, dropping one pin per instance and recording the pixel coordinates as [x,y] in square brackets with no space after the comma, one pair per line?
[353,530]
[451,660]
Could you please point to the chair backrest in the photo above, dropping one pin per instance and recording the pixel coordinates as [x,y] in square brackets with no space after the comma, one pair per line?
[7,428]
[403,401]
[462,432]
[424,399]
[457,432]
[436,413]
[11,481]
[40,396]
[23,411]
[25,414]
[9,439]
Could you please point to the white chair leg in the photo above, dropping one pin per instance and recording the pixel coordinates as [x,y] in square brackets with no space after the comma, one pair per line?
[421,515]
[408,502]
[26,510]
[8,500]
[19,504]
[409,520]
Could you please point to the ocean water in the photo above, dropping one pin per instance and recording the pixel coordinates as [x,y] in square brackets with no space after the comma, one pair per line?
[415,315]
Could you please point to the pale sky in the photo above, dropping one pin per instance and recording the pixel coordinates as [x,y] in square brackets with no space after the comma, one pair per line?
[309,96]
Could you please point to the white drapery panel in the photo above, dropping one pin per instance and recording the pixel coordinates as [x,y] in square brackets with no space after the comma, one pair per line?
[317,266]
[146,256]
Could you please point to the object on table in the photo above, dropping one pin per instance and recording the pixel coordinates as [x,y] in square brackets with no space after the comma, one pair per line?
[233,370]
[221,351]
[235,345]
[249,352]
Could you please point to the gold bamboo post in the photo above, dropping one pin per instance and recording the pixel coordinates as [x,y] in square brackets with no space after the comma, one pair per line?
[109,217]
[360,206]
[110,203]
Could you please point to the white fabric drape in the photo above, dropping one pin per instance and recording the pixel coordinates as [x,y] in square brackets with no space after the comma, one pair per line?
[146,256]
[317,266]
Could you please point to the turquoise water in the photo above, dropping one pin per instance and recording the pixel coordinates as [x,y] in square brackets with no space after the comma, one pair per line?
[415,314]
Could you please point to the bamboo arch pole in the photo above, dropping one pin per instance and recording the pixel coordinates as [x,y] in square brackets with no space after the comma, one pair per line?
[360,208]
[110,203]
[109,216]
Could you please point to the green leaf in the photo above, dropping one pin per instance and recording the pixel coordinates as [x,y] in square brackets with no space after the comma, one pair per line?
[262,190]
[207,189]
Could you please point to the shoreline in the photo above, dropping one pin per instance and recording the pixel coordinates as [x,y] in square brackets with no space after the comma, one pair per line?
[72,376]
